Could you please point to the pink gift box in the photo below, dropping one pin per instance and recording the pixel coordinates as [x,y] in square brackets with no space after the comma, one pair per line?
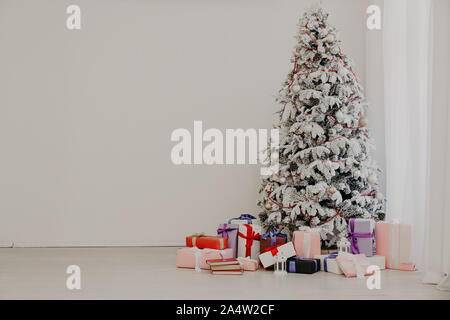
[393,241]
[306,243]
[349,264]
[195,258]
[248,264]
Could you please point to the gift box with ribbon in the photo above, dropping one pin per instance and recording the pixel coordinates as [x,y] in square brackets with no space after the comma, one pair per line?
[267,257]
[272,238]
[303,265]
[393,241]
[361,236]
[328,262]
[306,242]
[202,241]
[195,258]
[353,265]
[244,219]
[230,231]
[248,264]
[248,241]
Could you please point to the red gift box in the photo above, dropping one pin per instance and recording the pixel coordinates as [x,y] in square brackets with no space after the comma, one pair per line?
[207,242]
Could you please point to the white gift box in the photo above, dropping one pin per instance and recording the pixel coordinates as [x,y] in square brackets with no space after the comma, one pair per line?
[243,240]
[267,258]
[332,265]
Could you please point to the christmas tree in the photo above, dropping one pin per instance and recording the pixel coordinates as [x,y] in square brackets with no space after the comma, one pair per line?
[326,175]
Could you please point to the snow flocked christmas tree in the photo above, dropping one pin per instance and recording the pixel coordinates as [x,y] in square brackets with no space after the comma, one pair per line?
[326,174]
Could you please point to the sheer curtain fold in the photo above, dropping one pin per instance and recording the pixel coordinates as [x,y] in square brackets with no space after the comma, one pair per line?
[437,238]
[415,40]
[406,60]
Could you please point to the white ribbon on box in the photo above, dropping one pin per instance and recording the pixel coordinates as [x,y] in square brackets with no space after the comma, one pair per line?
[241,260]
[286,250]
[360,272]
[307,239]
[198,255]
[306,244]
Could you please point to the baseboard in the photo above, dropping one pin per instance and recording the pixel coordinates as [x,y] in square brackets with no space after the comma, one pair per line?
[6,244]
[10,244]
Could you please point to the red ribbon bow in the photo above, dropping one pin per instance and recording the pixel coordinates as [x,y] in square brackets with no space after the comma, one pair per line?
[272,249]
[251,235]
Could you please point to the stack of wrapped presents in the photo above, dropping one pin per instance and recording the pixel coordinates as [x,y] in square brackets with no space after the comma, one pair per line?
[241,245]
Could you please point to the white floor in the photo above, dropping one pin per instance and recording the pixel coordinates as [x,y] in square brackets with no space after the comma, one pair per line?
[150,273]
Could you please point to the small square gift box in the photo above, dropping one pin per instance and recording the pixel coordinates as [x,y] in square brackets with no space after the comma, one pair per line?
[195,258]
[248,264]
[303,265]
[229,231]
[248,241]
[244,219]
[361,236]
[306,242]
[353,265]
[267,258]
[201,241]
[272,238]
[328,263]
[393,241]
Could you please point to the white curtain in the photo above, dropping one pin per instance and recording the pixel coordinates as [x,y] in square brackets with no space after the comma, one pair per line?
[415,37]
[406,70]
[437,237]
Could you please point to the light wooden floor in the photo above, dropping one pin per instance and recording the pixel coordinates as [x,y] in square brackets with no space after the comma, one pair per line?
[150,273]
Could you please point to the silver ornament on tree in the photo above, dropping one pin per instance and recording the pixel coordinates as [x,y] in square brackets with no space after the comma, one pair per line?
[372,179]
[296,89]
[329,38]
[332,189]
[362,122]
[339,116]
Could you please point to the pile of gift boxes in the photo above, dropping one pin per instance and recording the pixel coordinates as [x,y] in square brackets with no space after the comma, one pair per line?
[369,243]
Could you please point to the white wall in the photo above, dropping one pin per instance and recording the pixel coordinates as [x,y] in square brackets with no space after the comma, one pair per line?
[375,93]
[86,116]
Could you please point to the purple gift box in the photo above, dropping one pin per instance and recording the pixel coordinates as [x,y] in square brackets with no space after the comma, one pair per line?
[361,236]
[229,231]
